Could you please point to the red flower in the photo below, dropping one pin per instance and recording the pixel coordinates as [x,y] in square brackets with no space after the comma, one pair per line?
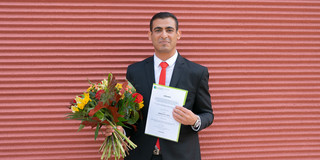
[99,93]
[138,97]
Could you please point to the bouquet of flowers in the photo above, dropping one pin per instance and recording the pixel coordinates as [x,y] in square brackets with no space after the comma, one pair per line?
[109,103]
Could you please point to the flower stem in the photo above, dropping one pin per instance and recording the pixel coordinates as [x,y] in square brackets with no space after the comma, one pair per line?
[117,144]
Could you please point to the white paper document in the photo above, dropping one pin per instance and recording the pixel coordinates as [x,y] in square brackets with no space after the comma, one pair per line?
[160,122]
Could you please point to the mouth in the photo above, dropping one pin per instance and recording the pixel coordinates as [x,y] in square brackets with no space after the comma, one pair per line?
[163,42]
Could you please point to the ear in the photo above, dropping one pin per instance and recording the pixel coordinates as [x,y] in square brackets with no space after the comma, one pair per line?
[149,35]
[178,34]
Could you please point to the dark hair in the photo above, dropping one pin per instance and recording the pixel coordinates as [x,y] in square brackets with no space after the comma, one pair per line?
[163,15]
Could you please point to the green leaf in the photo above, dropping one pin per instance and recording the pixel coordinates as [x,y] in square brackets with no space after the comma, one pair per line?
[120,124]
[121,119]
[97,131]
[107,113]
[109,77]
[92,95]
[99,114]
[134,118]
[123,109]
[125,126]
[80,127]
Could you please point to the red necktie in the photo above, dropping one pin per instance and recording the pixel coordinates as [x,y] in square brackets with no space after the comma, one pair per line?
[162,81]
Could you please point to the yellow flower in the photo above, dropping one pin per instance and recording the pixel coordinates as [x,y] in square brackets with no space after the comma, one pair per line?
[89,89]
[74,109]
[141,105]
[81,105]
[81,102]
[119,86]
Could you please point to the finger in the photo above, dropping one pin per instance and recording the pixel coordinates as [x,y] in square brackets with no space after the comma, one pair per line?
[184,115]
[109,130]
[109,126]
[183,110]
[120,128]
[180,108]
[178,118]
[107,134]
[179,111]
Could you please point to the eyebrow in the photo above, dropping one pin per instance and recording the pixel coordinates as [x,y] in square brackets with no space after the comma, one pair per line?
[169,27]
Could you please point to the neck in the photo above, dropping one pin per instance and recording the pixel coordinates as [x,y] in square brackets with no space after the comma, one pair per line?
[165,56]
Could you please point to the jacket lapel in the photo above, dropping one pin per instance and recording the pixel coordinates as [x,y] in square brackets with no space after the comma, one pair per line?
[149,68]
[177,71]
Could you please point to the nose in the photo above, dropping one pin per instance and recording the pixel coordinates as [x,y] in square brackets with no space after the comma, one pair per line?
[164,34]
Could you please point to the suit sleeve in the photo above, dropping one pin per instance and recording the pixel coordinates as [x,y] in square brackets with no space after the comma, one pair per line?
[202,106]
[129,130]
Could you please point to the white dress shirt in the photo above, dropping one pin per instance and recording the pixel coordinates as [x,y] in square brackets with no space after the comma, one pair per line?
[157,68]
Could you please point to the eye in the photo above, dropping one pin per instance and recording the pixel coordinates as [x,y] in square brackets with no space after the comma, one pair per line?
[157,30]
[170,30]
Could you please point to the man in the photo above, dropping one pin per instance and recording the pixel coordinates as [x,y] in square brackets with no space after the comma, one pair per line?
[194,116]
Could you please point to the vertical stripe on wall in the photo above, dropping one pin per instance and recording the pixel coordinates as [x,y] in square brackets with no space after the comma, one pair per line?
[263,58]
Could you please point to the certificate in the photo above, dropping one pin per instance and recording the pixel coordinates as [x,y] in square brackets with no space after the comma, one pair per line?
[160,122]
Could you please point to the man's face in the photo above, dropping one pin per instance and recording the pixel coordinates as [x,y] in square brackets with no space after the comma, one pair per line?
[164,35]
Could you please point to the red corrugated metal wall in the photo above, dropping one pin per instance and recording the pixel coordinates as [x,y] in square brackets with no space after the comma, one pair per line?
[263,58]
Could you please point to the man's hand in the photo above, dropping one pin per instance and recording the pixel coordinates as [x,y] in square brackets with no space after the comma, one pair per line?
[110,130]
[184,115]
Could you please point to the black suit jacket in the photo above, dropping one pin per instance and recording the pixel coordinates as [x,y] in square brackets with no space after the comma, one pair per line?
[186,75]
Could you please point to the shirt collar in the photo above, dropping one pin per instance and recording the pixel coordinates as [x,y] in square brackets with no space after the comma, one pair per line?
[171,61]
